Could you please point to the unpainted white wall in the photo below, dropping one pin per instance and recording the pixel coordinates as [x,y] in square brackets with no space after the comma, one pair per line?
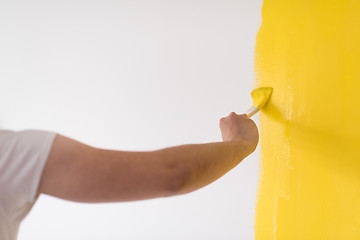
[133,75]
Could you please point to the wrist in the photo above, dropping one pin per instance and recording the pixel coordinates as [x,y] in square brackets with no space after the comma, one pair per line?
[248,145]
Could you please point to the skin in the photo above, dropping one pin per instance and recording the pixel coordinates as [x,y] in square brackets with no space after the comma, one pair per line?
[77,172]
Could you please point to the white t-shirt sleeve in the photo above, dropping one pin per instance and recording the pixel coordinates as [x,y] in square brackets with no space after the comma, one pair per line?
[23,156]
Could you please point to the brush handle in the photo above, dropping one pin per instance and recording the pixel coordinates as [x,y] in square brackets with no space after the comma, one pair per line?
[252,111]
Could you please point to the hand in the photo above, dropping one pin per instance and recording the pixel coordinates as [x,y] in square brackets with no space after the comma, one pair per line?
[235,127]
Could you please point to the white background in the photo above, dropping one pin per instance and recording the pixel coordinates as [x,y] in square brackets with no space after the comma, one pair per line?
[133,75]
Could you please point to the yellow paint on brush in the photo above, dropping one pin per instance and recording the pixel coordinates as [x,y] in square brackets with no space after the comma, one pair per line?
[261,96]
[309,51]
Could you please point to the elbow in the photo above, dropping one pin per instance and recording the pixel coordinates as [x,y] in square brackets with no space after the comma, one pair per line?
[177,180]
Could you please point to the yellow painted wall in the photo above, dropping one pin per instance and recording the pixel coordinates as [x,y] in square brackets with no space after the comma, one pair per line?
[309,52]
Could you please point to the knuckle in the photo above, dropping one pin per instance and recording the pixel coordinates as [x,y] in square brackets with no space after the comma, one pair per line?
[222,121]
[232,115]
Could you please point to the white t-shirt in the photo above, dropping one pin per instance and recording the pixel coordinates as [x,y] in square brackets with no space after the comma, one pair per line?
[23,156]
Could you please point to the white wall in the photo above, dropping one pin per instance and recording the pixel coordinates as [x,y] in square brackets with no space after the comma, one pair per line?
[133,75]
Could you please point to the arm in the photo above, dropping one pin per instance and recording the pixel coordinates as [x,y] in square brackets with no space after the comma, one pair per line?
[78,172]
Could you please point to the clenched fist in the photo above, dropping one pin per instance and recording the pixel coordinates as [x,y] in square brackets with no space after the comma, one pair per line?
[235,127]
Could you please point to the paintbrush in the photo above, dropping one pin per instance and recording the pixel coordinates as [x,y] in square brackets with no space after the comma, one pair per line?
[260,98]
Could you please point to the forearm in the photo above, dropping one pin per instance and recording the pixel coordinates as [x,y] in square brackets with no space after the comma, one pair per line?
[127,176]
[201,164]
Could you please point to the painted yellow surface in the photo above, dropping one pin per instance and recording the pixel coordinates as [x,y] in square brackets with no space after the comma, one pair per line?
[309,52]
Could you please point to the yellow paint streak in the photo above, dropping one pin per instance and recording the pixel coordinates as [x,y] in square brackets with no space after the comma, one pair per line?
[309,52]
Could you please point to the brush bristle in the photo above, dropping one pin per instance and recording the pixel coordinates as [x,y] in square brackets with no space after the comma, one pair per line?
[261,96]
